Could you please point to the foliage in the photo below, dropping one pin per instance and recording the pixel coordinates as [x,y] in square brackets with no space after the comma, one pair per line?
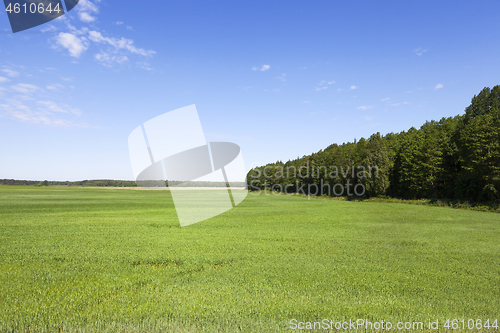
[454,158]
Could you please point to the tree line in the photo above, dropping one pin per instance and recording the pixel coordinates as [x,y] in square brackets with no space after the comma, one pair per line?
[84,183]
[120,183]
[453,158]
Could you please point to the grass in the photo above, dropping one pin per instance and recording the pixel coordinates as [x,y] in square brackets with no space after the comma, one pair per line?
[88,260]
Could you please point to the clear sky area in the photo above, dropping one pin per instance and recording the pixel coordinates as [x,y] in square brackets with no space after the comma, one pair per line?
[281,79]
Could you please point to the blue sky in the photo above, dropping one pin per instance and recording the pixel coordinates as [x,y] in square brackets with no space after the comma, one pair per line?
[280,78]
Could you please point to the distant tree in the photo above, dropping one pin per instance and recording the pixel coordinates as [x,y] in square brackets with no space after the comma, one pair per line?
[376,157]
[480,155]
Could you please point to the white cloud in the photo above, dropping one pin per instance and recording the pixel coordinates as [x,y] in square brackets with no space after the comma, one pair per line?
[17,110]
[108,59]
[75,45]
[86,17]
[10,72]
[52,107]
[282,78]
[31,103]
[322,85]
[129,27]
[86,10]
[400,103]
[262,69]
[419,51]
[3,79]
[365,107]
[24,88]
[55,86]
[385,99]
[438,86]
[144,65]
[110,51]
[353,87]
[48,28]
[119,44]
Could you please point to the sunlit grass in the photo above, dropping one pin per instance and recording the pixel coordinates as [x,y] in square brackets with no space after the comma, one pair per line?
[80,259]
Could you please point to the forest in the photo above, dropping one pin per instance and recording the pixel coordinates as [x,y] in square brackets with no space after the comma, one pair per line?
[455,158]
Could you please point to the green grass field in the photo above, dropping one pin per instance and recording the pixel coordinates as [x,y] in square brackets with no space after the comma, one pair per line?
[92,260]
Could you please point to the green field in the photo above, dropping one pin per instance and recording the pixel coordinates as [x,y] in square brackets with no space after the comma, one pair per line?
[92,260]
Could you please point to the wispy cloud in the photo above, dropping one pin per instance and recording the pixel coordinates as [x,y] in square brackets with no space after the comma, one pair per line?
[262,69]
[438,86]
[54,86]
[48,28]
[74,44]
[111,50]
[385,99]
[120,44]
[324,82]
[282,78]
[365,107]
[353,87]
[108,59]
[3,79]
[144,65]
[87,11]
[24,88]
[400,103]
[10,72]
[42,112]
[322,85]
[53,107]
[77,45]
[31,103]
[419,51]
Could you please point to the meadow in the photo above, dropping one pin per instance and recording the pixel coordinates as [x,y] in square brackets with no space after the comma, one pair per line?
[116,260]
